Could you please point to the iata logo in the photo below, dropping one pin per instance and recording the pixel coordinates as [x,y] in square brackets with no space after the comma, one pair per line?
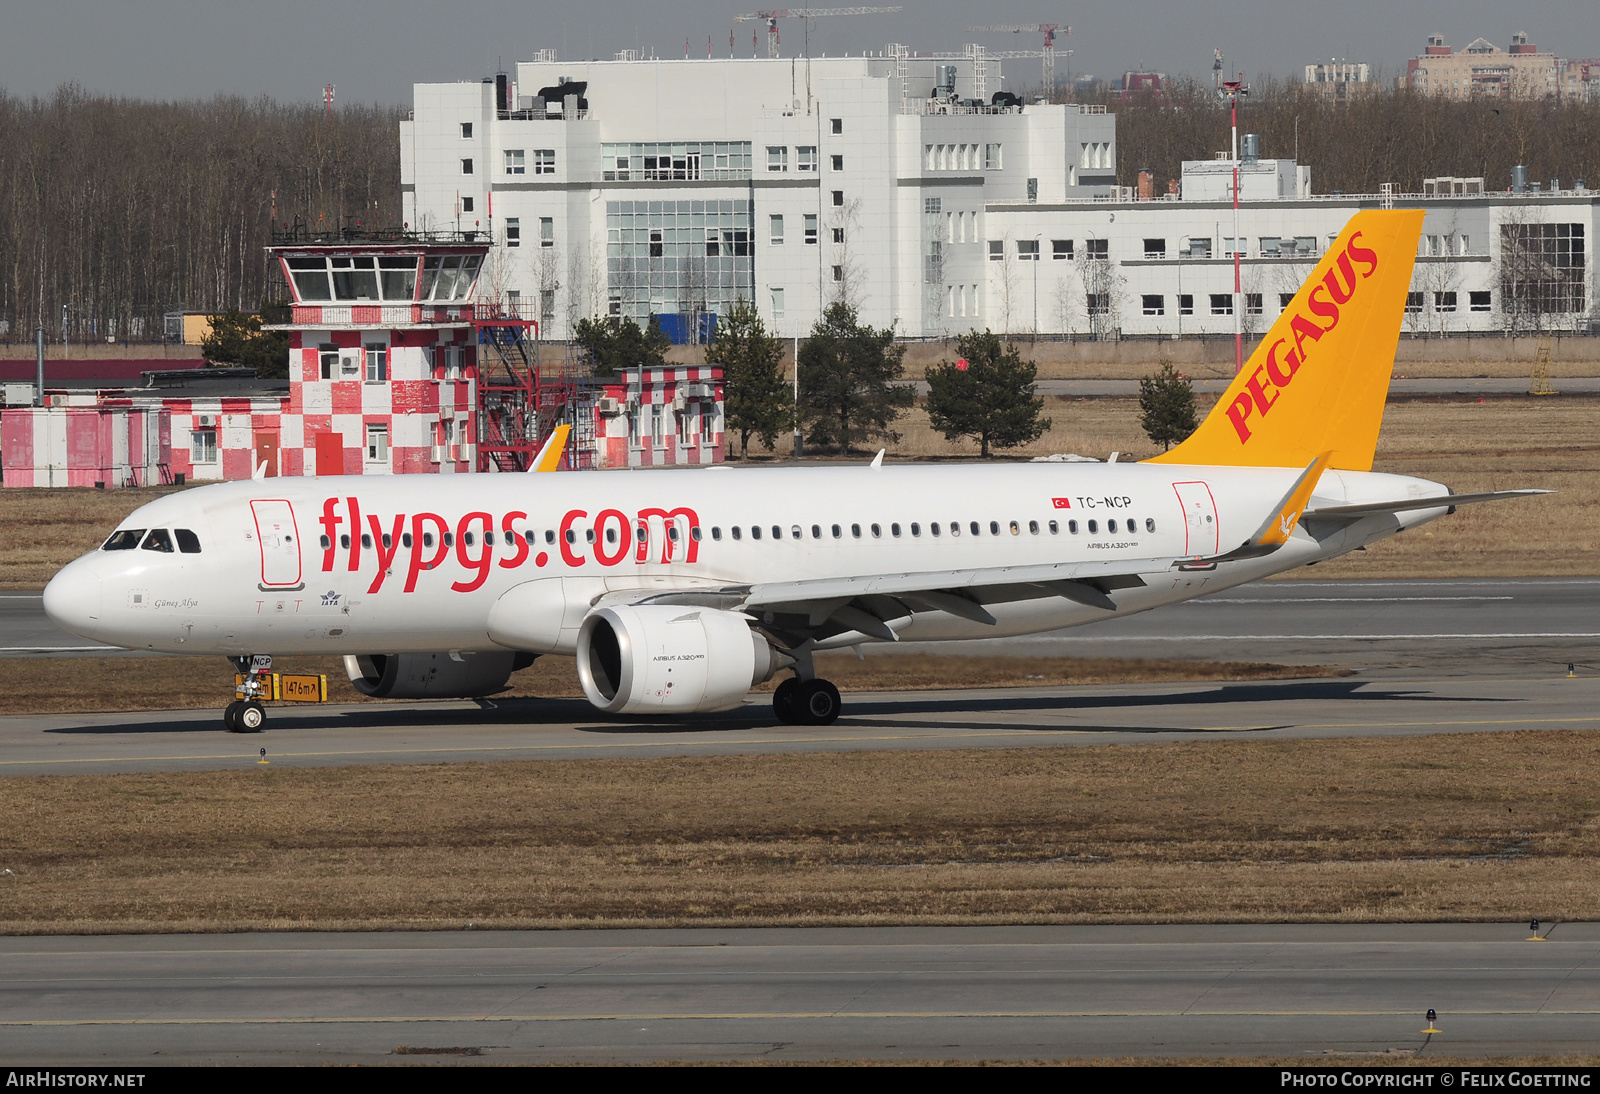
[1338,287]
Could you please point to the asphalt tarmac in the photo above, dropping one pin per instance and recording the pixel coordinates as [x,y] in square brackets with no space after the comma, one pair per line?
[454,732]
[1340,994]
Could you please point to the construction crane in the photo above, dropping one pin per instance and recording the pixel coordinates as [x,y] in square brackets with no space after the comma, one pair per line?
[771,18]
[1049,52]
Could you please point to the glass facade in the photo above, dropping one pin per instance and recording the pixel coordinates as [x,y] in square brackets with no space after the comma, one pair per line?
[665,257]
[683,161]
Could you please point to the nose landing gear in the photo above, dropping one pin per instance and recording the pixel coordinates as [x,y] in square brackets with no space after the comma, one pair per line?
[253,683]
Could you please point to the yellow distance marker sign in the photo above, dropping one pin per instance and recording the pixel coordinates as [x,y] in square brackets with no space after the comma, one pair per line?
[289,687]
[299,687]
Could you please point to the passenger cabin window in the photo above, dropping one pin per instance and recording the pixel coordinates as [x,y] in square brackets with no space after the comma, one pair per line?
[159,539]
[125,540]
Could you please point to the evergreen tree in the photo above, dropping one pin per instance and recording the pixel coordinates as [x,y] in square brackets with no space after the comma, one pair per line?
[236,338]
[756,400]
[847,374]
[1166,406]
[621,343]
[991,399]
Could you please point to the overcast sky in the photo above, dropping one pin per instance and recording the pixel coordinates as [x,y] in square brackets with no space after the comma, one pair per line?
[375,51]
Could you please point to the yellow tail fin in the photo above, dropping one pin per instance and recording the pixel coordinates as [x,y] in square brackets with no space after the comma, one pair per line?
[1318,381]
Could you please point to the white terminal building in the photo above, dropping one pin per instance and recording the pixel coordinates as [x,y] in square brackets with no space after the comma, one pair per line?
[923,193]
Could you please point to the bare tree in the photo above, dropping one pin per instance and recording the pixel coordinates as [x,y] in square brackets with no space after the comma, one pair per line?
[848,280]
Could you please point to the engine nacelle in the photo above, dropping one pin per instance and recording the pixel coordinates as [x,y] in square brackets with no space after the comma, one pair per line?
[658,658]
[433,675]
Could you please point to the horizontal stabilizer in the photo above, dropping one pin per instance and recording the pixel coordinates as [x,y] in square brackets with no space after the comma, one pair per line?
[1345,512]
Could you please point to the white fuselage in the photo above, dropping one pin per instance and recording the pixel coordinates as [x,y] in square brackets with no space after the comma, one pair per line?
[299,565]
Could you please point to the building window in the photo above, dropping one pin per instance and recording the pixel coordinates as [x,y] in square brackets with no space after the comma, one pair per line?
[838,235]
[1060,249]
[777,303]
[1413,303]
[1033,191]
[466,166]
[466,205]
[1478,301]
[1444,301]
[997,250]
[328,360]
[811,227]
[1098,303]
[838,197]
[656,245]
[547,306]
[837,124]
[1155,305]
[776,232]
[1270,246]
[203,446]
[547,231]
[1200,248]
[1252,303]
[1155,248]
[1028,250]
[1221,303]
[713,243]
[933,205]
[544,161]
[992,157]
[1097,250]
[1284,300]
[838,273]
[657,420]
[1185,303]
[513,231]
[466,131]
[515,162]
[805,157]
[777,158]
[377,362]
[838,163]
[378,443]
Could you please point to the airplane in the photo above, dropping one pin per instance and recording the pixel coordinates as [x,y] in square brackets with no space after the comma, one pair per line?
[677,591]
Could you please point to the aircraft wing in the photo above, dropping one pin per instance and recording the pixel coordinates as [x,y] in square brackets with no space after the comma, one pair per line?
[822,608]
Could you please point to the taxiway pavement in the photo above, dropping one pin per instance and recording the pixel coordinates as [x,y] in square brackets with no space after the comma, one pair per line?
[453,732]
[1339,993]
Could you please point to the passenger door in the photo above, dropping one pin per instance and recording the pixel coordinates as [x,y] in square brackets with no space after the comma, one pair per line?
[1200,518]
[280,544]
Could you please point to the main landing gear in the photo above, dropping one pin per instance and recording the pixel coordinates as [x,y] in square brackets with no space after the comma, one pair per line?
[806,702]
[253,682]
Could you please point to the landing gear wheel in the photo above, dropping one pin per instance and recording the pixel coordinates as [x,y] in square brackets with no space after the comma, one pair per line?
[786,702]
[230,717]
[252,715]
[818,703]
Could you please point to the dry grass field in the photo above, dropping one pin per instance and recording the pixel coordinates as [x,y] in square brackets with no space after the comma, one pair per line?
[1470,445]
[67,685]
[1465,827]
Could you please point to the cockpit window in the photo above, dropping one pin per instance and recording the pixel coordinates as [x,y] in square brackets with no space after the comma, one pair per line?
[188,542]
[159,539]
[124,540]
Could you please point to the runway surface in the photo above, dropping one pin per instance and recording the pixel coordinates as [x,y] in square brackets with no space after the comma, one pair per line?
[1343,993]
[452,732]
[1486,625]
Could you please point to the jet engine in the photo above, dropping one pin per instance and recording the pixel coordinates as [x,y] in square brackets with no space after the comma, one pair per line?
[433,675]
[662,658]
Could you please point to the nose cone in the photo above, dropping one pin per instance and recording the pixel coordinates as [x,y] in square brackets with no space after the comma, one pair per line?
[72,599]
